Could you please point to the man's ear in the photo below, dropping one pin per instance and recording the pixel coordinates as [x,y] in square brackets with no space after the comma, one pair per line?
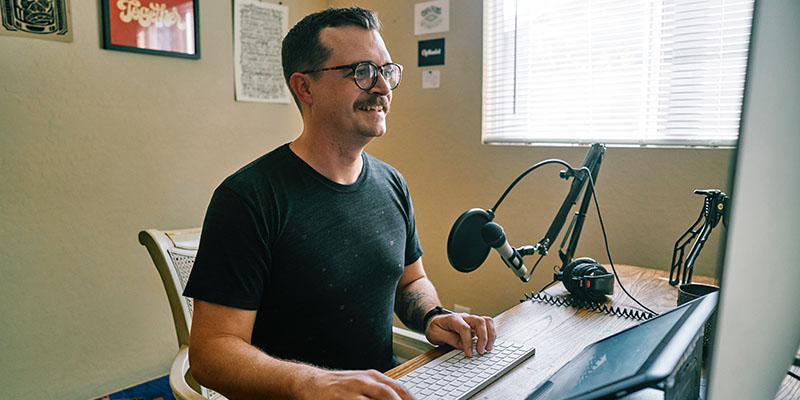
[301,86]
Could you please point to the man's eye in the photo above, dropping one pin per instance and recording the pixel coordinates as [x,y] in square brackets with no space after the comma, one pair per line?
[363,73]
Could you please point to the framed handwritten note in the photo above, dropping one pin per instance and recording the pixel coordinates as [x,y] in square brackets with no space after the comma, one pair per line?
[160,27]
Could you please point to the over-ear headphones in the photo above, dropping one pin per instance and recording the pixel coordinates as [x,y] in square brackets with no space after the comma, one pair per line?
[586,279]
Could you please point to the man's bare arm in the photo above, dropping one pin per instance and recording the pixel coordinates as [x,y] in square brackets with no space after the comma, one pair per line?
[222,357]
[416,295]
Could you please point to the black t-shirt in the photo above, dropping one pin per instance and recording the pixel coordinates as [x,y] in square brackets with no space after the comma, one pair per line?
[320,261]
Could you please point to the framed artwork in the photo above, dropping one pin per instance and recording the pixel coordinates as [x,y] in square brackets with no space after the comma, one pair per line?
[41,19]
[162,27]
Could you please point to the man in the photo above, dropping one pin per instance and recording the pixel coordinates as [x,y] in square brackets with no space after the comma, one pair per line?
[306,252]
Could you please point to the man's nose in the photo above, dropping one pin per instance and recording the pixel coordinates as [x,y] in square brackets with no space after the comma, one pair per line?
[381,86]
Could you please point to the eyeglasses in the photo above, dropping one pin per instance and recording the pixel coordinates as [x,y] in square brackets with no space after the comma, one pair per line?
[365,73]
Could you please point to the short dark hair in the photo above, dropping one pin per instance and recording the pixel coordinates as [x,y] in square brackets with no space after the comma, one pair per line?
[303,51]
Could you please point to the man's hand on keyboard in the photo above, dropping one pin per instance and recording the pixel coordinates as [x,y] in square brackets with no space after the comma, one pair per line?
[457,330]
[369,384]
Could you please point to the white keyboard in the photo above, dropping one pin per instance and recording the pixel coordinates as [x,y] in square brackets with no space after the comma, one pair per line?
[454,376]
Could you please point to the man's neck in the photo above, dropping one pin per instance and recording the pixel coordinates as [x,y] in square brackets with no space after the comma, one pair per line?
[340,162]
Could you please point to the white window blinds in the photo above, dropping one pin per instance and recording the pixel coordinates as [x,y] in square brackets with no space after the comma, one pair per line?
[626,72]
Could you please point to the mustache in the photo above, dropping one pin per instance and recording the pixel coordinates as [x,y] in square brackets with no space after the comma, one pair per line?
[382,101]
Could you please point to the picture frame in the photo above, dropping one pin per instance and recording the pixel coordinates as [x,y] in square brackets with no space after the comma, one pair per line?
[159,27]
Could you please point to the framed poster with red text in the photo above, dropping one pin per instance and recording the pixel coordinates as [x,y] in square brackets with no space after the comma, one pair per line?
[160,27]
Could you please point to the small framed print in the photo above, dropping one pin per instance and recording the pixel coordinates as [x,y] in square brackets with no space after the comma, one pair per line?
[431,17]
[161,27]
[41,19]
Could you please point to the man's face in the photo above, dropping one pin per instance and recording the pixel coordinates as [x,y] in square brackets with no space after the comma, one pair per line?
[338,102]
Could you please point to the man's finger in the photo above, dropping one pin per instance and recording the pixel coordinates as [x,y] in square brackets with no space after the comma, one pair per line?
[478,325]
[393,387]
[491,332]
[380,391]
[464,332]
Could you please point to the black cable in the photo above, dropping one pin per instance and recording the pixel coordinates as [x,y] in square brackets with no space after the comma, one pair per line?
[608,252]
[529,170]
[793,375]
[547,286]
[599,217]
[570,301]
[530,273]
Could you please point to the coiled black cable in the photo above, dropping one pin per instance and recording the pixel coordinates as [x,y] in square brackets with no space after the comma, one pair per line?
[569,301]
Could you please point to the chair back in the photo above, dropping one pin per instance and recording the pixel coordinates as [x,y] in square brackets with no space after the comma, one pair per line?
[173,253]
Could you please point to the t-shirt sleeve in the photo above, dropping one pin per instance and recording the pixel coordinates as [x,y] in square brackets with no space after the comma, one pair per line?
[413,247]
[232,261]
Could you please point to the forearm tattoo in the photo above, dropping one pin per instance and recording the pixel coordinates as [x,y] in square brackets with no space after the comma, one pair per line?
[410,308]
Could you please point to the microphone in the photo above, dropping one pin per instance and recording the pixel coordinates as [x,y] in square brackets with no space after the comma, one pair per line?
[494,236]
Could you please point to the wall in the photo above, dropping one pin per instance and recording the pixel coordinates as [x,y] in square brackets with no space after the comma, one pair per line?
[96,145]
[433,138]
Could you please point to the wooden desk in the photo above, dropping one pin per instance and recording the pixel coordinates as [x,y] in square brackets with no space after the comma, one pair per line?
[559,333]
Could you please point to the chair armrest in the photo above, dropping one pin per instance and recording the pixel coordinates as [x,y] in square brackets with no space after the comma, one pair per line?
[177,377]
[407,344]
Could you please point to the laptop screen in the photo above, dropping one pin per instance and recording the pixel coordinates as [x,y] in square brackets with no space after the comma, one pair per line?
[624,356]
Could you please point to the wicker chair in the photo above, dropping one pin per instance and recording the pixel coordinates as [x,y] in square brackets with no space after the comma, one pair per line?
[173,253]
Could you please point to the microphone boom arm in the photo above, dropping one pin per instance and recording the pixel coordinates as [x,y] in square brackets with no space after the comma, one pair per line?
[591,165]
[467,250]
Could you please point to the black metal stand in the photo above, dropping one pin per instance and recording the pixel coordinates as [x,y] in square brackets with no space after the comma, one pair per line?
[715,208]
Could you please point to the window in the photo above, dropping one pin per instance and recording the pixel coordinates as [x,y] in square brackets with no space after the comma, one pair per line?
[622,72]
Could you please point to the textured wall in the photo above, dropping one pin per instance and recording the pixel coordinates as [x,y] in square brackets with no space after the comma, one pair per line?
[96,145]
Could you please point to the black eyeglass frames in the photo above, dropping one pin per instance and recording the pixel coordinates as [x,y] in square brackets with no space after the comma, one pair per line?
[365,73]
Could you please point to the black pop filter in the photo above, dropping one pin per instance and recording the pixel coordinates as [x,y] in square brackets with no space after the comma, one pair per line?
[466,249]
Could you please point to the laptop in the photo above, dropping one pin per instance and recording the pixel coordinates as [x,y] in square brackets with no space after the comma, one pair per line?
[664,352]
